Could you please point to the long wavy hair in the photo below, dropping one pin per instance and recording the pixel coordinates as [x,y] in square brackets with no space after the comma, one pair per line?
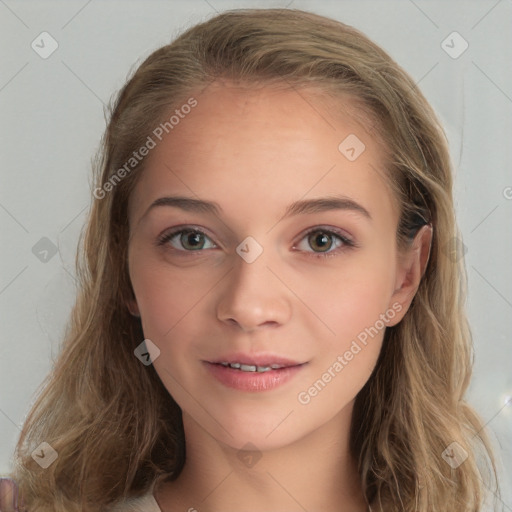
[116,429]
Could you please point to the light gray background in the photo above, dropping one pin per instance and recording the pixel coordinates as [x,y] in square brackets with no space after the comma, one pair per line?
[52,119]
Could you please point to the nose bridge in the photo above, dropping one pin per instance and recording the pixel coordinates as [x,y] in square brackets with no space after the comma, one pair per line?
[252,295]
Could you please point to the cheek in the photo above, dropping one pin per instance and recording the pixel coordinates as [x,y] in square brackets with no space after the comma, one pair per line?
[355,307]
[357,313]
[347,300]
[166,294]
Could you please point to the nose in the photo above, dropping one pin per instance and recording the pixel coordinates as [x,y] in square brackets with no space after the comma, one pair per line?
[253,298]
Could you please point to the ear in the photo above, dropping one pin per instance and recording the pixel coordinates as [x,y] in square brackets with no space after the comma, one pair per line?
[132,306]
[411,267]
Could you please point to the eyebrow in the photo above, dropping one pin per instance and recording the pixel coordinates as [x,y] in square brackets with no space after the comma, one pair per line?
[301,207]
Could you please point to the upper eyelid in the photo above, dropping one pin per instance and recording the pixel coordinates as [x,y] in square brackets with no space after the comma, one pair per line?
[179,229]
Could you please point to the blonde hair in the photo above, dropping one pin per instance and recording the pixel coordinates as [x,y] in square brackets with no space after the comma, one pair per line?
[115,427]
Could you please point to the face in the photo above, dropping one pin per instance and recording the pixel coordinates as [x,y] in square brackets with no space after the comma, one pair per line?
[255,281]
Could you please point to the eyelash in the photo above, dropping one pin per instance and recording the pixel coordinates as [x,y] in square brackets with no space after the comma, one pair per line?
[346,242]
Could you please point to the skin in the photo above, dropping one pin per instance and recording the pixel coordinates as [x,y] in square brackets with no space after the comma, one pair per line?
[254,151]
[7,495]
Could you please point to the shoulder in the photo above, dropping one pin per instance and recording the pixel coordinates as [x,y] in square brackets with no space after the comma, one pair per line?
[146,503]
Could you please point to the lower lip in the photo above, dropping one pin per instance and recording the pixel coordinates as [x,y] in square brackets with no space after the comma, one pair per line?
[252,381]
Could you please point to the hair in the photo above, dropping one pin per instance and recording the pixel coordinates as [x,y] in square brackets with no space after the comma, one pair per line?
[115,427]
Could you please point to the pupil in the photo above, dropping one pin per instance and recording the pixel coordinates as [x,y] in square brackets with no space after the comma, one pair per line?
[320,239]
[192,240]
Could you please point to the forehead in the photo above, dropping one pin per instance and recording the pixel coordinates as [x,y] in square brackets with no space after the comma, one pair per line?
[244,146]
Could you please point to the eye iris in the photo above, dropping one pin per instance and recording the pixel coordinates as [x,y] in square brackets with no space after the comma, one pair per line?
[319,239]
[192,240]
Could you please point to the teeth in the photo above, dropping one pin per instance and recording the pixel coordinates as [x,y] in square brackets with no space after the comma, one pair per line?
[245,367]
[250,367]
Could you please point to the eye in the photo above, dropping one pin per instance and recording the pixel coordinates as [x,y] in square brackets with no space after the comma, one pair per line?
[186,239]
[324,242]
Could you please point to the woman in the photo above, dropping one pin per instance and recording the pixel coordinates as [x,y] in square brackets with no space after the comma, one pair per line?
[266,319]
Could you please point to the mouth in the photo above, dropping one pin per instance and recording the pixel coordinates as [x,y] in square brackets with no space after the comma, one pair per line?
[259,363]
[251,367]
[253,373]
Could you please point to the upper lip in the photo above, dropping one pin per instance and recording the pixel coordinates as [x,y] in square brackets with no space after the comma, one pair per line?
[256,359]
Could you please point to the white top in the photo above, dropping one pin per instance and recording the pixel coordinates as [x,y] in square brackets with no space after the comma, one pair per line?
[146,503]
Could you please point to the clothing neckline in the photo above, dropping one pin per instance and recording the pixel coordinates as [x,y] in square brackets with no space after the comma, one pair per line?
[153,502]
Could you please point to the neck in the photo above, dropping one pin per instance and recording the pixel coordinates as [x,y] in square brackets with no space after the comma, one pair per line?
[313,473]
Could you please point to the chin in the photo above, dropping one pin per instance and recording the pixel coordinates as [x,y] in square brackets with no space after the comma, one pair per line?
[265,434]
